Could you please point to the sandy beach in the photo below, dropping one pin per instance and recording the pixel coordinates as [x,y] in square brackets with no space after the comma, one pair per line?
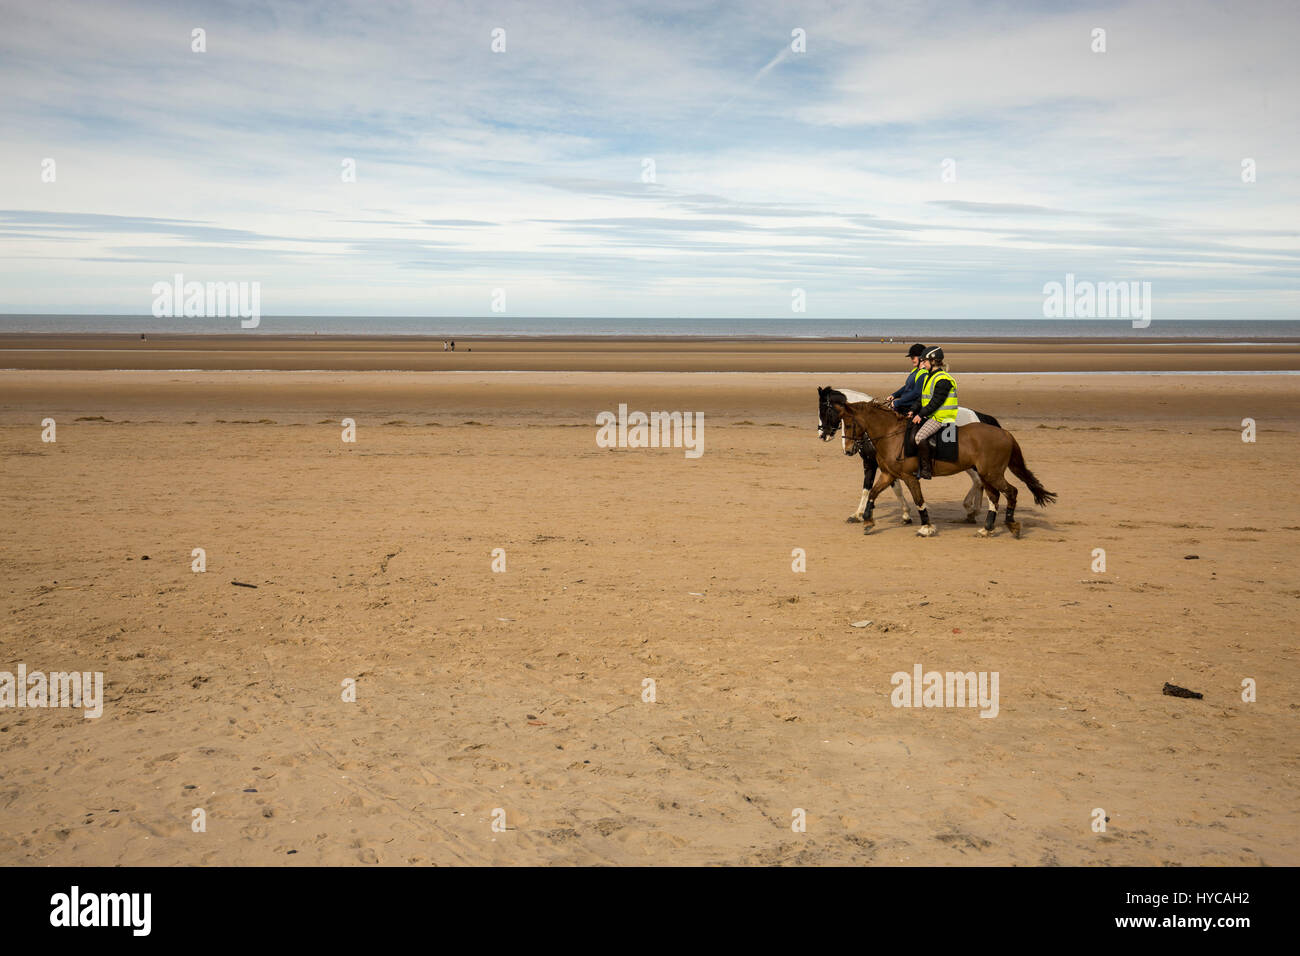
[521,690]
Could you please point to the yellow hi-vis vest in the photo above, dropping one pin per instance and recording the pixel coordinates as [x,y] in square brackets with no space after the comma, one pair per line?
[947,412]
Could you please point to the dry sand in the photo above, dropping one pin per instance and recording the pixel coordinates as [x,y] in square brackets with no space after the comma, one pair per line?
[523,690]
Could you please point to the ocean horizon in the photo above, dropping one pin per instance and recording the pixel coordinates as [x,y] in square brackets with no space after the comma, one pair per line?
[469,326]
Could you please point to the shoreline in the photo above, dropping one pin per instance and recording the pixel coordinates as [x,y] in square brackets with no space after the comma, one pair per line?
[245,352]
[620,337]
[1193,373]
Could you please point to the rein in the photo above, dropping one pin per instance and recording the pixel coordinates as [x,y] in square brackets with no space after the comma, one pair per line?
[866,436]
[896,431]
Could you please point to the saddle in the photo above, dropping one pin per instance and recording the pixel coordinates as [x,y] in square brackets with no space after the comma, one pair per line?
[940,450]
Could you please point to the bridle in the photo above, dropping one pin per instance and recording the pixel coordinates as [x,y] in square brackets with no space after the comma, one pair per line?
[826,408]
[825,435]
[864,440]
[856,448]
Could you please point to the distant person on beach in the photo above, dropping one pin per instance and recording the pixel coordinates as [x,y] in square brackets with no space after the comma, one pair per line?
[453,345]
[938,406]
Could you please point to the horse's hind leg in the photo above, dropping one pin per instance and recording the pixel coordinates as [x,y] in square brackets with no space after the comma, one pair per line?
[1012,524]
[995,484]
[974,497]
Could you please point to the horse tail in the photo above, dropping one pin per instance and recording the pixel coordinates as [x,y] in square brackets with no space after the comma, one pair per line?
[1042,496]
[988,420]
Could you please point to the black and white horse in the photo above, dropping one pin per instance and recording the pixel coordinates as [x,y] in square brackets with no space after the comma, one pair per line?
[828,423]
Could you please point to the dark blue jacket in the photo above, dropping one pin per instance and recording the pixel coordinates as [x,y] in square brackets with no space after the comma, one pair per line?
[910,394]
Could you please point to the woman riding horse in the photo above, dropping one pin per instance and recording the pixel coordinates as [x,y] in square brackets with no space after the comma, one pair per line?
[908,398]
[938,405]
[910,394]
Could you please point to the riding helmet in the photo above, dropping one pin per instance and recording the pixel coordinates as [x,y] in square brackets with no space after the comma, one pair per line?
[934,355]
[916,351]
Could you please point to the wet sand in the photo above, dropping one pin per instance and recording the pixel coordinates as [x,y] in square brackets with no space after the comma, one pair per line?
[645,354]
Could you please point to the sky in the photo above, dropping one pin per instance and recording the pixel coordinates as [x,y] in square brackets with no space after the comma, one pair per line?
[910,160]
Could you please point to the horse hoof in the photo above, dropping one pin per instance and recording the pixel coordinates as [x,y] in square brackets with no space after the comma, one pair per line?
[983,533]
[927,531]
[1014,528]
[970,519]
[907,519]
[852,519]
[867,526]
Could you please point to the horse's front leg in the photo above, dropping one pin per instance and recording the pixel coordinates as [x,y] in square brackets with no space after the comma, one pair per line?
[883,482]
[987,530]
[927,530]
[902,503]
[975,497]
[868,476]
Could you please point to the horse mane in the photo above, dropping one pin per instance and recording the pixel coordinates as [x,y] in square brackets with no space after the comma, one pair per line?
[886,405]
[852,396]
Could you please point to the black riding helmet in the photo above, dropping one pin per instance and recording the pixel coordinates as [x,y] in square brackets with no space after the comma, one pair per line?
[934,355]
[916,351]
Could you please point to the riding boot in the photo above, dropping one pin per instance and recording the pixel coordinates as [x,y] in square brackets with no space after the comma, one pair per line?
[923,457]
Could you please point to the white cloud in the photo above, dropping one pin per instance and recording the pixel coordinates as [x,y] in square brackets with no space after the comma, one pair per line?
[823,165]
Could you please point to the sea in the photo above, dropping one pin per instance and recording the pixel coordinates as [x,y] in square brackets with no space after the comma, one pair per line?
[1246,330]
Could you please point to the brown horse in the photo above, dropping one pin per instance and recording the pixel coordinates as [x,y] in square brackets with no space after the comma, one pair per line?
[989,450]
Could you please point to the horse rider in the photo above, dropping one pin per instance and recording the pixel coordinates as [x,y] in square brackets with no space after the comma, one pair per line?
[938,407]
[910,392]
[908,398]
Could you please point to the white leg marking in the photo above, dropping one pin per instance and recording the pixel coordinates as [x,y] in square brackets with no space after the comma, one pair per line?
[976,494]
[898,490]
